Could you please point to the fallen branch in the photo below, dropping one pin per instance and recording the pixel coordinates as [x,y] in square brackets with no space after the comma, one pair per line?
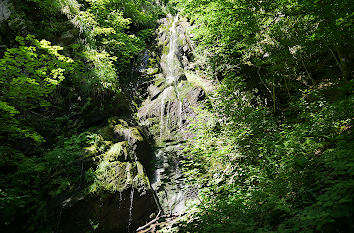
[149,223]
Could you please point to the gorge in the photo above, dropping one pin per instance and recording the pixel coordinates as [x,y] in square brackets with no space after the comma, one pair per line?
[121,116]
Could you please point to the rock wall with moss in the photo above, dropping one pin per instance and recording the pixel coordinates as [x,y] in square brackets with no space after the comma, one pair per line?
[169,110]
[73,157]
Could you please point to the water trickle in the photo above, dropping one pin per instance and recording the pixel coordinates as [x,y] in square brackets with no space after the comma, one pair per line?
[173,67]
[131,208]
[180,106]
[172,60]
[162,114]
[159,169]
[167,181]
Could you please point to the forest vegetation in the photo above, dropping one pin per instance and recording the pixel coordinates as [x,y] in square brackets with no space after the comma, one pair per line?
[272,147]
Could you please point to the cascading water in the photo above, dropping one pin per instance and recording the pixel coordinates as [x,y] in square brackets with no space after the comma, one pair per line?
[167,178]
[172,72]
[131,208]
[167,112]
[172,60]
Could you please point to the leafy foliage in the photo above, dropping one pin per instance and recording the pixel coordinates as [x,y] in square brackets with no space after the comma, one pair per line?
[50,94]
[277,133]
[30,74]
[29,182]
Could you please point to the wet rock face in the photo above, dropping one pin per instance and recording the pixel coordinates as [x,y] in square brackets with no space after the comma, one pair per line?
[4,10]
[111,213]
[168,111]
[136,139]
[120,199]
[168,180]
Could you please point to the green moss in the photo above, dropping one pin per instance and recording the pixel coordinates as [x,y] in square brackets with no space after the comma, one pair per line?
[136,134]
[118,152]
[117,169]
[193,78]
[114,121]
[91,150]
[152,71]
[159,80]
[184,88]
[165,50]
[113,176]
[152,62]
[141,181]
[98,146]
[107,133]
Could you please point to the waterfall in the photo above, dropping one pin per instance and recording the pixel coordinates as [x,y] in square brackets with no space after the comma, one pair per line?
[131,208]
[168,181]
[172,60]
[180,106]
[162,114]
[173,66]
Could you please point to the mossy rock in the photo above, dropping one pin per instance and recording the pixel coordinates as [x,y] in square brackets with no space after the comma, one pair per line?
[155,129]
[119,152]
[99,146]
[136,134]
[107,133]
[159,80]
[130,134]
[114,121]
[113,176]
[141,181]
[152,71]
[118,176]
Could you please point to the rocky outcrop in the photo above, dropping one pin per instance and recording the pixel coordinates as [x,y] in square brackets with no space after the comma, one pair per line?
[123,196]
[168,114]
[119,198]
[168,111]
[4,10]
[123,212]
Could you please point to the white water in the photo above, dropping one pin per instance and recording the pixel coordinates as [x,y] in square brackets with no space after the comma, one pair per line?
[172,60]
[173,66]
[162,125]
[158,171]
[131,208]
[164,120]
[167,182]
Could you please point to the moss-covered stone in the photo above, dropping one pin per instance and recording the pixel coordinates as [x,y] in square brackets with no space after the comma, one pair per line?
[159,80]
[141,181]
[118,176]
[98,146]
[152,71]
[183,89]
[119,152]
[114,121]
[107,133]
[130,134]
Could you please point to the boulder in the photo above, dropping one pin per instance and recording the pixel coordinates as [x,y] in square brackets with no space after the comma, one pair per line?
[118,197]
[109,213]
